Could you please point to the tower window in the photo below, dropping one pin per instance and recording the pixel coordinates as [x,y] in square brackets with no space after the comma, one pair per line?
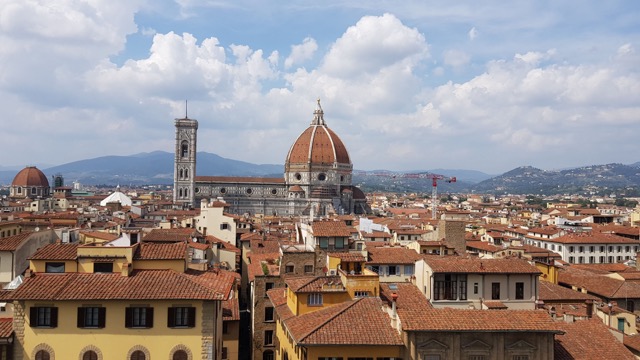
[181,174]
[298,176]
[322,177]
[223,190]
[184,149]
[274,191]
[249,191]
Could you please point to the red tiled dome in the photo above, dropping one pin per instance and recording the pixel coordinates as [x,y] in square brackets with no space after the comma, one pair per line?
[318,145]
[30,176]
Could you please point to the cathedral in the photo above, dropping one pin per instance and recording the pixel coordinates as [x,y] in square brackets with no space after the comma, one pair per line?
[316,182]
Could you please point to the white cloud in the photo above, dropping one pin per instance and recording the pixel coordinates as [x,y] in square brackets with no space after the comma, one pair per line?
[473,33]
[301,52]
[457,59]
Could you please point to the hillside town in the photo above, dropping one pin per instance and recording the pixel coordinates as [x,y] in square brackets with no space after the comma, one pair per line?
[309,266]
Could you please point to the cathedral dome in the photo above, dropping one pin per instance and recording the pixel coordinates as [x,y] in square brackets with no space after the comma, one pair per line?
[318,145]
[30,176]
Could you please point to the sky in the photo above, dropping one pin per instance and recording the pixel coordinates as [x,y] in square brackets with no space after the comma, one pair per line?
[406,85]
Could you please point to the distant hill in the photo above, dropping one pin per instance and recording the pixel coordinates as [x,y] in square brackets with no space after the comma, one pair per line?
[157,168]
[147,168]
[586,179]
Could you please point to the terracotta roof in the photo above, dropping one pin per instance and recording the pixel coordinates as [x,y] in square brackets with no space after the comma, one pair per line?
[230,310]
[305,284]
[30,176]
[608,267]
[600,285]
[354,320]
[331,228]
[410,302]
[160,251]
[464,320]
[484,246]
[592,238]
[11,243]
[452,264]
[376,234]
[392,255]
[56,251]
[348,256]
[255,267]
[317,145]
[6,327]
[278,297]
[588,339]
[632,342]
[550,292]
[199,246]
[171,235]
[140,285]
[494,305]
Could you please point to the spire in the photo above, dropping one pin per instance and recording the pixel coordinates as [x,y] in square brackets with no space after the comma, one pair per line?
[186,109]
[318,115]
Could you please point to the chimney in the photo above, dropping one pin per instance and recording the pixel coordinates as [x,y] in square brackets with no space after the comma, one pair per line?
[589,303]
[126,269]
[394,312]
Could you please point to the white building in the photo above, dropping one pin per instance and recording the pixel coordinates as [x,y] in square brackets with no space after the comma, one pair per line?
[590,248]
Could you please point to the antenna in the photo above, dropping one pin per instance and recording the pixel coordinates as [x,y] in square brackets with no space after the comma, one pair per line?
[186,109]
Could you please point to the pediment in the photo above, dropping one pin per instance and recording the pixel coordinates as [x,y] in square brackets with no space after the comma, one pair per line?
[521,345]
[432,345]
[477,345]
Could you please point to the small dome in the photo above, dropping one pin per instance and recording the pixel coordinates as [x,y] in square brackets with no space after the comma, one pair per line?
[318,144]
[30,176]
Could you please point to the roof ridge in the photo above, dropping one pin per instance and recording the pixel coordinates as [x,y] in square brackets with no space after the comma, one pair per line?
[207,288]
[322,324]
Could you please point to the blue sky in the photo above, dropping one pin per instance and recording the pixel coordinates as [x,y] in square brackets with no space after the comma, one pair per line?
[407,85]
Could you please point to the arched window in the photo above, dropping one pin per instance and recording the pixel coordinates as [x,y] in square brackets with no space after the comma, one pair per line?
[43,355]
[33,191]
[186,173]
[180,355]
[184,149]
[137,355]
[267,355]
[181,174]
[180,193]
[90,355]
[19,189]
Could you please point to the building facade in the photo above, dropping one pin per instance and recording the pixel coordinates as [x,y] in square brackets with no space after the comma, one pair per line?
[317,177]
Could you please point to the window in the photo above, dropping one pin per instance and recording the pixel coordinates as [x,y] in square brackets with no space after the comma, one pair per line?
[601,248]
[572,260]
[627,248]
[314,299]
[475,288]
[102,267]
[179,317]
[519,290]
[138,355]
[360,294]
[592,259]
[91,317]
[43,355]
[180,355]
[447,287]
[225,355]
[339,243]
[268,337]
[54,267]
[44,317]
[289,268]
[592,248]
[268,313]
[393,270]
[324,243]
[224,226]
[267,286]
[267,355]
[308,268]
[184,148]
[580,248]
[408,270]
[225,327]
[571,248]
[90,355]
[495,291]
[580,259]
[463,288]
[138,317]
[619,249]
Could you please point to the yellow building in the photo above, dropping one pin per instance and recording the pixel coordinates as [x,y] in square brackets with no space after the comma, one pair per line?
[351,329]
[130,302]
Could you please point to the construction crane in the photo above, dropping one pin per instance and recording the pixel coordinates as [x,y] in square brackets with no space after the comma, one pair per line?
[434,182]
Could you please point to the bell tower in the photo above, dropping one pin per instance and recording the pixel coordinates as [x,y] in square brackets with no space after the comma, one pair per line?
[184,168]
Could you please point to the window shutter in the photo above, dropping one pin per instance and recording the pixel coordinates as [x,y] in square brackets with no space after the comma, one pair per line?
[192,317]
[102,317]
[54,317]
[128,317]
[171,317]
[80,317]
[33,316]
[150,317]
